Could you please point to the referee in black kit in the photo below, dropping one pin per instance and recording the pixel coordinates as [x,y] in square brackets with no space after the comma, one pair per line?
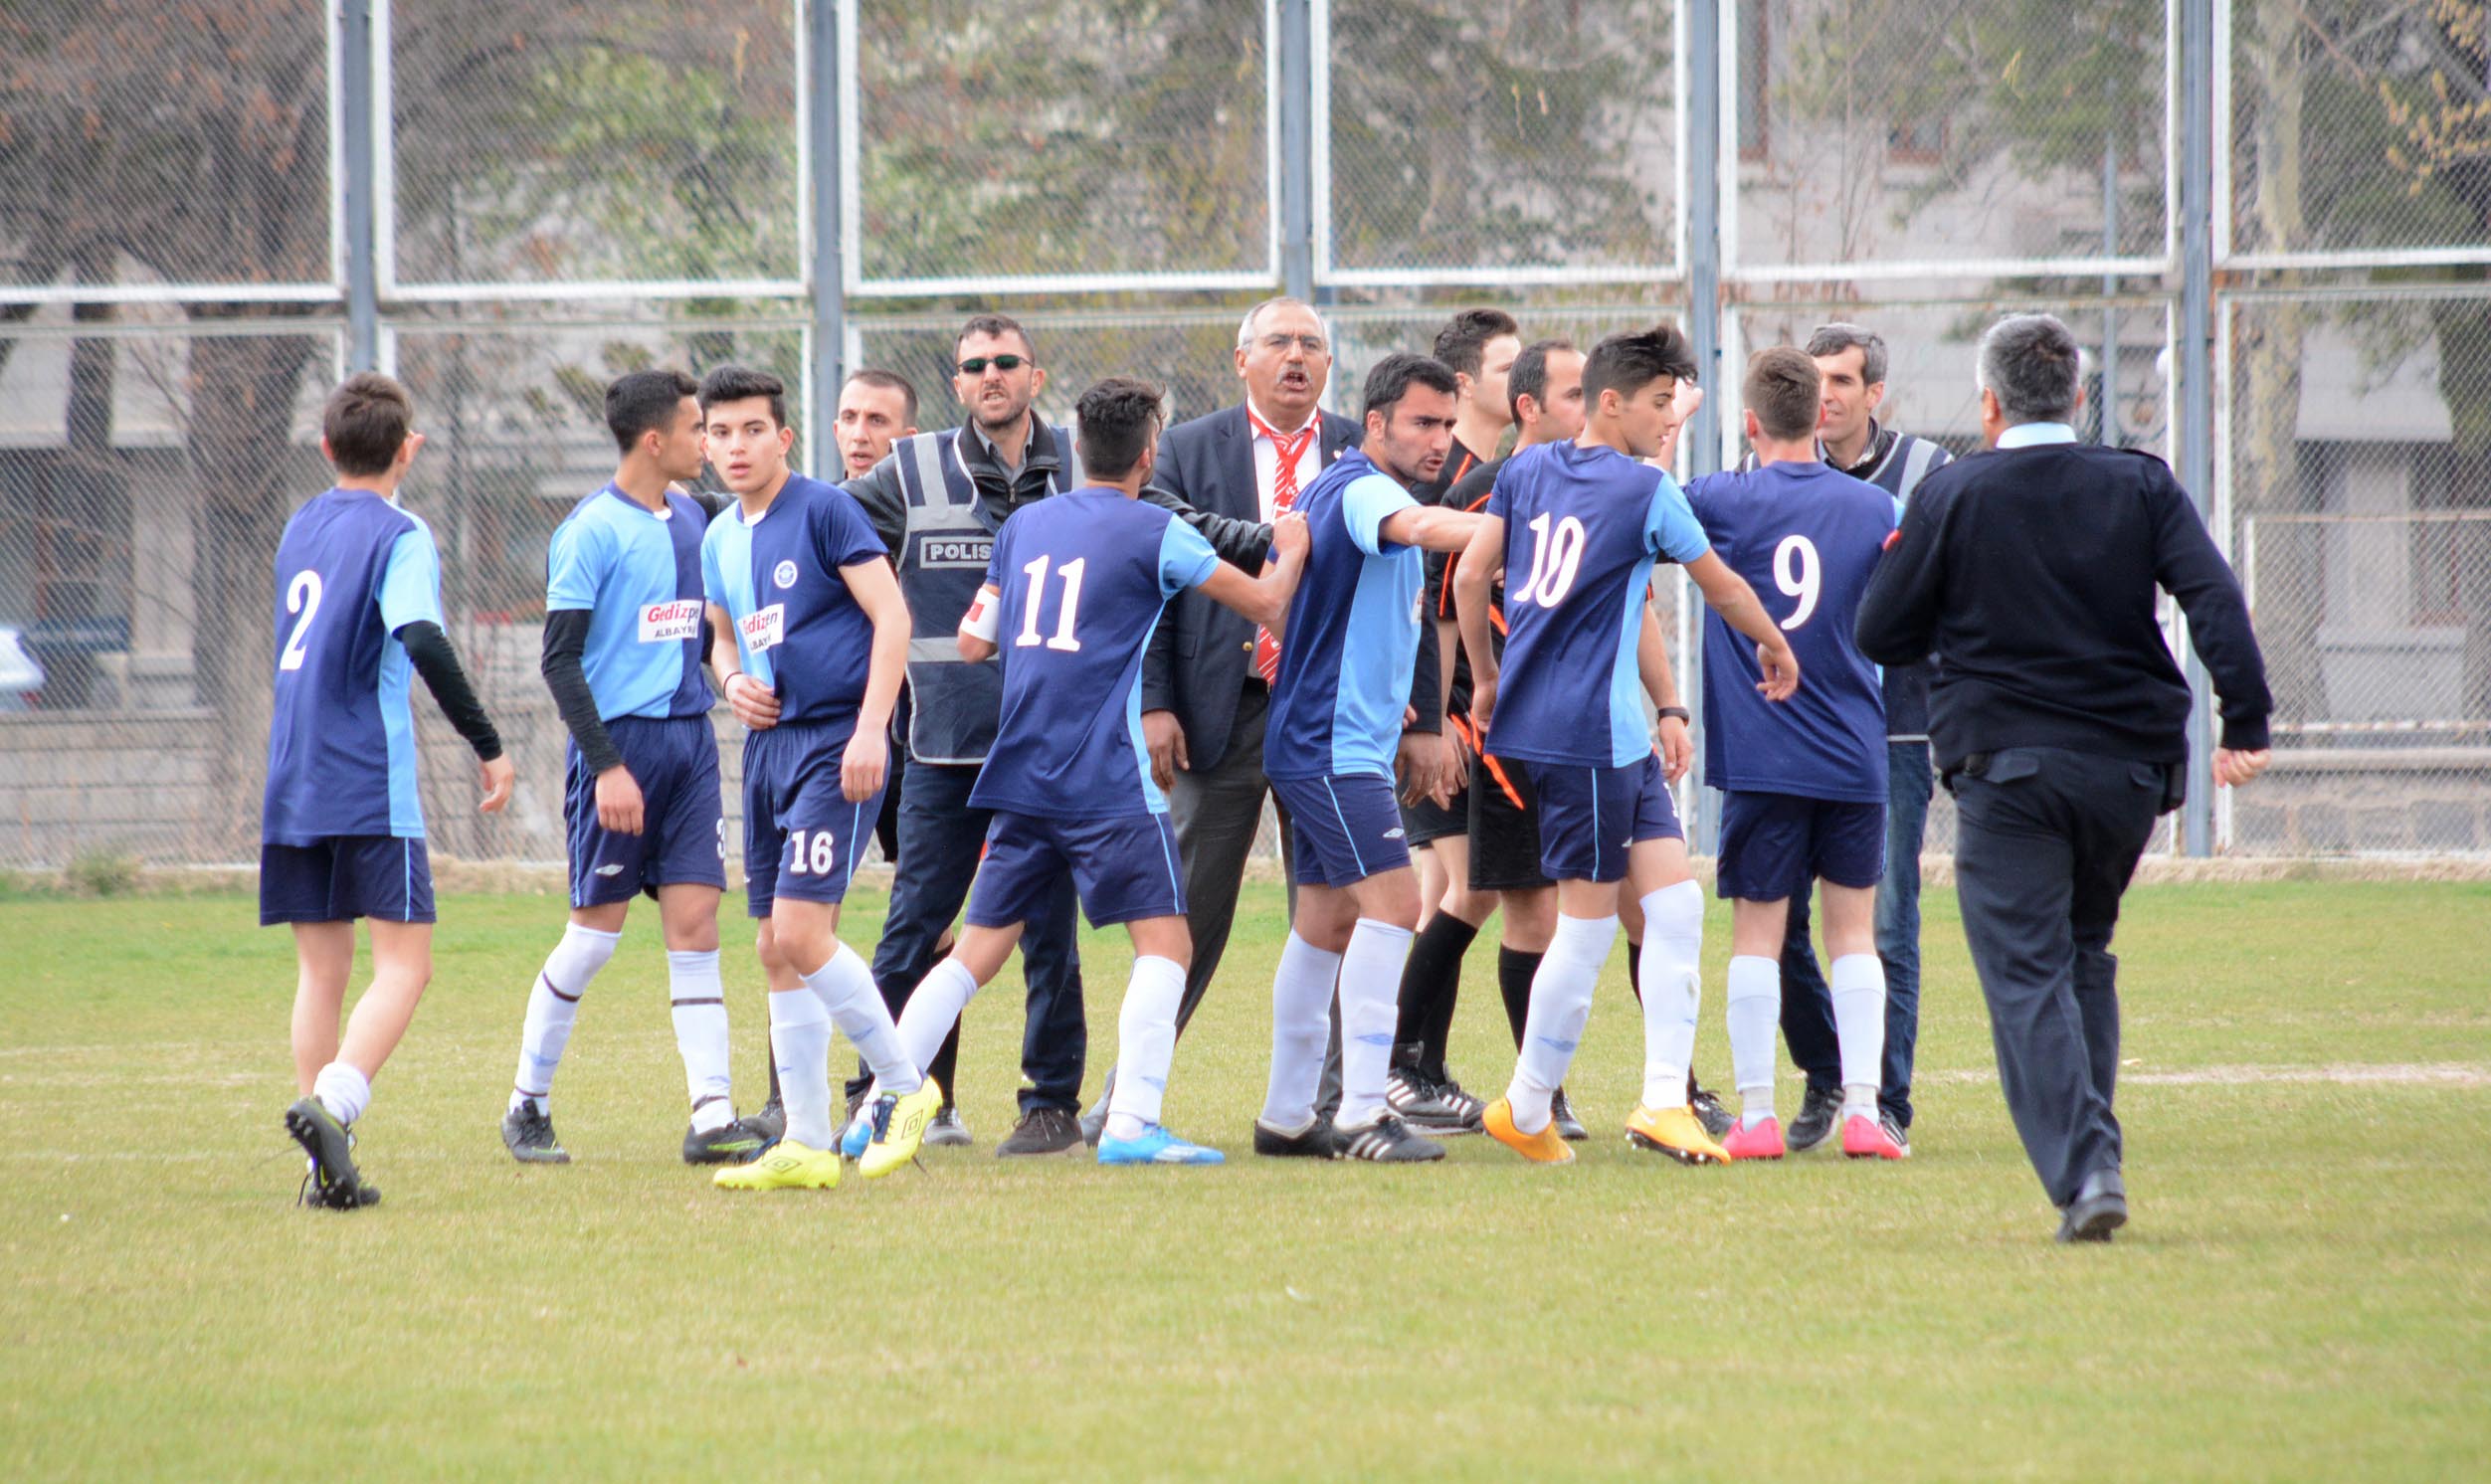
[2059,723]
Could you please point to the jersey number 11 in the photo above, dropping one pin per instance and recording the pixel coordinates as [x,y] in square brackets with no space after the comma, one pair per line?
[1066,612]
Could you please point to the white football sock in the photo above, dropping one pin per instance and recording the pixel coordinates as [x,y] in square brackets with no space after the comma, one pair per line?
[1371,974]
[1857,980]
[343,1091]
[846,989]
[1560,1002]
[799,1037]
[1145,1044]
[1754,1016]
[934,1008]
[553,1005]
[1672,970]
[1301,1025]
[700,1035]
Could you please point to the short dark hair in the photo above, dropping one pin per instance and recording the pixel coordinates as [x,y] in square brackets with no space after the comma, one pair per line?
[1463,342]
[1785,392]
[732,383]
[1834,339]
[1115,422]
[1529,377]
[2031,363]
[874,376]
[366,422]
[1628,363]
[995,324]
[640,401]
[1393,377]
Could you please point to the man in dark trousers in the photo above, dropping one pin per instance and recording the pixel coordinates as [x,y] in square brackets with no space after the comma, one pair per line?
[1207,678]
[2060,722]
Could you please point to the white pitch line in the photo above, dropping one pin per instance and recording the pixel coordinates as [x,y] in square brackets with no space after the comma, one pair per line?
[2425,1073]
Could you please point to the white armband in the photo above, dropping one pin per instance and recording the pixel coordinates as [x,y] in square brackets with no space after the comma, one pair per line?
[984,619]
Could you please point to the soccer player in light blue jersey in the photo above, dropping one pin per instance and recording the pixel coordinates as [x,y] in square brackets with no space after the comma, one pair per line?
[1329,746]
[358,608]
[1583,523]
[623,616]
[1804,784]
[1076,585]
[808,635]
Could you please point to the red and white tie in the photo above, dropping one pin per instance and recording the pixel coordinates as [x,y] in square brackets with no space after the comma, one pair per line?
[1284,495]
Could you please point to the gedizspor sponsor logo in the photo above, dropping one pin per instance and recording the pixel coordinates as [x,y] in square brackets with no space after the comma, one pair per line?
[661,622]
[955,551]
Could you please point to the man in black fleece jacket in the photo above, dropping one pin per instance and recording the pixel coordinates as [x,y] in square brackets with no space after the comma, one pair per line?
[2060,721]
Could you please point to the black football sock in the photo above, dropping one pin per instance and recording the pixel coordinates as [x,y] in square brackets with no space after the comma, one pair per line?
[1515,969]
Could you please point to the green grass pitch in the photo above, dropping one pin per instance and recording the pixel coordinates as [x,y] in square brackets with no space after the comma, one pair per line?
[2305,1292]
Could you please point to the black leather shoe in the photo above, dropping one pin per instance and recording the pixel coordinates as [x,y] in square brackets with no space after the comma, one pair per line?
[2100,1209]
[1315,1143]
[1042,1129]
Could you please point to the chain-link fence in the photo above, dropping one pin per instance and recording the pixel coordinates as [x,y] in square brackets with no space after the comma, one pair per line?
[205,221]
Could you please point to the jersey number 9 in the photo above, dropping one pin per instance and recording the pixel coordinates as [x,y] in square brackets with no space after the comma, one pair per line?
[1798,573]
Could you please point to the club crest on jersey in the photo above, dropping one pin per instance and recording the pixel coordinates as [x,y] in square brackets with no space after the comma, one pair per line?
[944,552]
[784,574]
[661,622]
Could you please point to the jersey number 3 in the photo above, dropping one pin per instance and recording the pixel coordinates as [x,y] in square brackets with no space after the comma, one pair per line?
[302,595]
[1066,611]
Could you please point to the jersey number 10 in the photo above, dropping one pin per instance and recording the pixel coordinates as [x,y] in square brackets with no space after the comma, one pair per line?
[1066,612]
[1555,559]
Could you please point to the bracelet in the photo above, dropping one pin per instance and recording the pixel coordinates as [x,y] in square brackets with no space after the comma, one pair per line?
[1681,713]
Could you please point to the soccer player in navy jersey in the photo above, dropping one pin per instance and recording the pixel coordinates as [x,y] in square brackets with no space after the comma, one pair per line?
[1328,750]
[1804,785]
[623,653]
[809,633]
[341,831]
[1073,589]
[1584,522]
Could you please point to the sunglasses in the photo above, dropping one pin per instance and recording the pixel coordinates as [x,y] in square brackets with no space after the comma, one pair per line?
[976,365]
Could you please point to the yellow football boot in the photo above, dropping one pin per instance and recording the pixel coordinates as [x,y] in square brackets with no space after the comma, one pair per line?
[784,1165]
[899,1125]
[1546,1147]
[1675,1133]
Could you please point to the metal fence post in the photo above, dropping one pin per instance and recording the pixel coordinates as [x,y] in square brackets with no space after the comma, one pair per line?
[2197,384]
[359,169]
[1295,60]
[1703,316]
[828,71]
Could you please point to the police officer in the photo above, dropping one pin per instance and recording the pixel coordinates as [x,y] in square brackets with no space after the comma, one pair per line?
[936,502]
[2060,722]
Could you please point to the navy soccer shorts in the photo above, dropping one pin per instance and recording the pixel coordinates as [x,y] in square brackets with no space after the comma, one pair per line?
[1589,817]
[1774,845]
[1124,868]
[1346,827]
[343,878]
[803,837]
[683,837]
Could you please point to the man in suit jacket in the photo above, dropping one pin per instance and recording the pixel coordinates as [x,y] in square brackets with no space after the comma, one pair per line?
[2059,723]
[1202,697]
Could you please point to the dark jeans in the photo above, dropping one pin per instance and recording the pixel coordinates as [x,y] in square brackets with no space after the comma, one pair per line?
[1806,1003]
[2046,842]
[939,839]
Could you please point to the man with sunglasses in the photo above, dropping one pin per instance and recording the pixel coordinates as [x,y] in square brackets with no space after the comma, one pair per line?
[937,502]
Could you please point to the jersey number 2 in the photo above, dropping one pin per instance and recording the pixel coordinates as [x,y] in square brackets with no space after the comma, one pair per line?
[1066,611]
[302,595]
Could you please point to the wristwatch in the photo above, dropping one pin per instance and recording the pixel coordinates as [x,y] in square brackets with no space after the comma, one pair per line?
[1680,712]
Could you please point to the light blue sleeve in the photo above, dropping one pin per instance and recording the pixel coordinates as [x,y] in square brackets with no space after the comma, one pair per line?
[1186,560]
[576,563]
[713,582]
[1670,529]
[411,584]
[1898,511]
[1367,503]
